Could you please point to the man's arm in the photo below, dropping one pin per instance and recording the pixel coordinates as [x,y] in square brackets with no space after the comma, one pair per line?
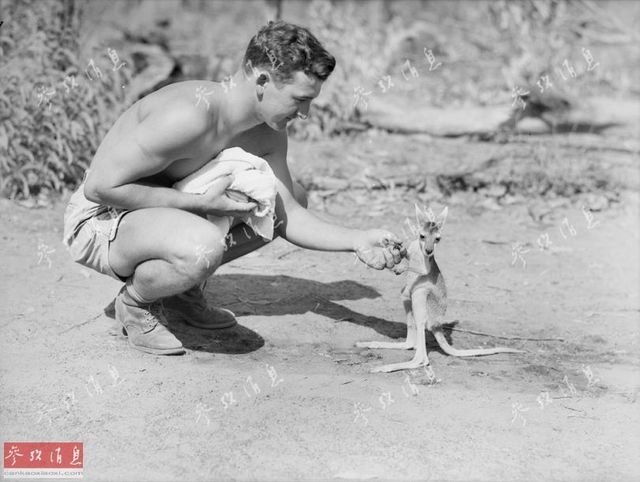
[160,139]
[298,225]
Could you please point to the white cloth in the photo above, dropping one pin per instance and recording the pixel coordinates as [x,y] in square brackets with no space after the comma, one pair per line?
[253,177]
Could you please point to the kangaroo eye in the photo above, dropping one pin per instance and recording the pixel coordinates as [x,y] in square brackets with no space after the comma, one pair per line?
[422,236]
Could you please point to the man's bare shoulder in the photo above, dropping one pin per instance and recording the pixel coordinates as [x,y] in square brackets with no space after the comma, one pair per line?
[177,104]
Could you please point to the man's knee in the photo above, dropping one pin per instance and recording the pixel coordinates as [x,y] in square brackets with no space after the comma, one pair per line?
[300,194]
[200,254]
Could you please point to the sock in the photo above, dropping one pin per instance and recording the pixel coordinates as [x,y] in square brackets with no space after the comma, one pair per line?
[132,296]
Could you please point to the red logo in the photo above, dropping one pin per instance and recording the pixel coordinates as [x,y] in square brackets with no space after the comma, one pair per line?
[43,455]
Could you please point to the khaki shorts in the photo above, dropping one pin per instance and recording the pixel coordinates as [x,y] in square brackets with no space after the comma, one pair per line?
[89,229]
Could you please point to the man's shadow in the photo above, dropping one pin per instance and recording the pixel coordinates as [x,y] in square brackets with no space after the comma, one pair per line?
[274,296]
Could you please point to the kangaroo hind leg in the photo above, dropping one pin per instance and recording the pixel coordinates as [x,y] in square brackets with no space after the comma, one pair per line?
[408,344]
[420,358]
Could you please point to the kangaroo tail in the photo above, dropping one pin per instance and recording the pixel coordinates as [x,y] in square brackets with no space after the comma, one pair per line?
[449,350]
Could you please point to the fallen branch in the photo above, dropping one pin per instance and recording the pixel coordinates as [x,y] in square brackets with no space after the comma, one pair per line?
[628,147]
[284,255]
[370,182]
[80,324]
[574,409]
[499,288]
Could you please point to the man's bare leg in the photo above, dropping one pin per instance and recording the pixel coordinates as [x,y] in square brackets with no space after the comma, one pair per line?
[176,268]
[244,241]
[166,251]
[192,305]
[163,252]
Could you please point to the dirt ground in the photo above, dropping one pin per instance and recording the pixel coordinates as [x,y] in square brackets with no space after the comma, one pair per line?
[285,395]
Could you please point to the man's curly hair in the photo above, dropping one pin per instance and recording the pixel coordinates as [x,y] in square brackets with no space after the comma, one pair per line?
[284,48]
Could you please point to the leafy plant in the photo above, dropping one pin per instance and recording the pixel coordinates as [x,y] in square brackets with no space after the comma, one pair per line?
[53,114]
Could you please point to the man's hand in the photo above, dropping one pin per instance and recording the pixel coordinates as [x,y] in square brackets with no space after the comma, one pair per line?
[216,203]
[379,249]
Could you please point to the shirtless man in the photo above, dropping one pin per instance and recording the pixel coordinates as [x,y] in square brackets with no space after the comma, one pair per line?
[126,221]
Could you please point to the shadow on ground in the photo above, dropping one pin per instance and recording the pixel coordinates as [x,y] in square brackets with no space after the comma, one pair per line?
[274,296]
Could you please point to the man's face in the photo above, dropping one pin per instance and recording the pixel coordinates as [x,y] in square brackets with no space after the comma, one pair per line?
[283,102]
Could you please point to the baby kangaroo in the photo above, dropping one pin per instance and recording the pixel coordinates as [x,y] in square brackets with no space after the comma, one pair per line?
[424,296]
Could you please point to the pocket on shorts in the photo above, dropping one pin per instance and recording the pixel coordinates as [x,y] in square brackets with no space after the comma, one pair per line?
[81,244]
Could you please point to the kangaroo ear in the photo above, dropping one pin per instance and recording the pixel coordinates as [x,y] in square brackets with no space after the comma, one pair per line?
[442,217]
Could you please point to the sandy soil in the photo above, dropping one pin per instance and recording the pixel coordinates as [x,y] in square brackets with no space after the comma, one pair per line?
[316,412]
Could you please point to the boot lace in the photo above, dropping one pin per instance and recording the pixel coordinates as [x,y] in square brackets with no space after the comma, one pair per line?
[153,314]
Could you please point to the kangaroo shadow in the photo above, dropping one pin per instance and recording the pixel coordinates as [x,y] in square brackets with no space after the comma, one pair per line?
[274,296]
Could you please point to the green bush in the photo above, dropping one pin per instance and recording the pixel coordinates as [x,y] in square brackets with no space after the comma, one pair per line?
[46,142]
